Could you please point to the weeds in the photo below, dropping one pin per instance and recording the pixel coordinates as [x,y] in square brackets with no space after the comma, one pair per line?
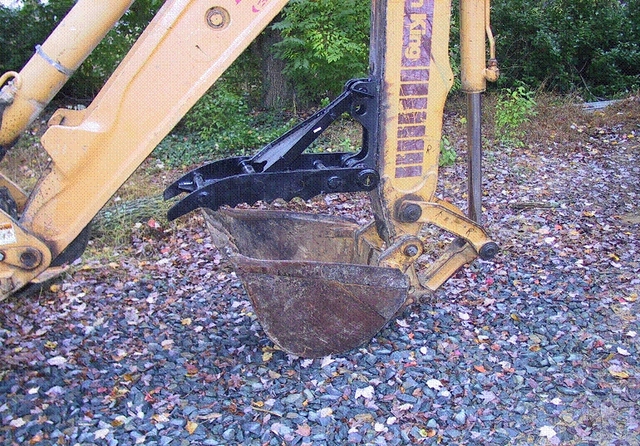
[448,155]
[514,108]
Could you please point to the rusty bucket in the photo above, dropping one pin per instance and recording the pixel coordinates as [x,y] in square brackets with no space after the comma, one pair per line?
[299,272]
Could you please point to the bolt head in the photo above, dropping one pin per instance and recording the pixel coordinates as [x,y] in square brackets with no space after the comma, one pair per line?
[489,251]
[368,179]
[411,251]
[410,213]
[335,183]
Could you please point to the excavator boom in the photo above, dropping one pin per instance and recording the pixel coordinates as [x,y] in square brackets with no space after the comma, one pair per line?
[318,284]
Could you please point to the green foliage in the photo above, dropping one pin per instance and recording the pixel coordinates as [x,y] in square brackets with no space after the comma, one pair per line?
[226,119]
[221,112]
[325,43]
[233,134]
[23,28]
[454,46]
[448,155]
[589,46]
[513,108]
[179,150]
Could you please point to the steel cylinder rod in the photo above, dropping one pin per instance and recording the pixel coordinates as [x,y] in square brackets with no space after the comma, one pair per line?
[474,75]
[474,158]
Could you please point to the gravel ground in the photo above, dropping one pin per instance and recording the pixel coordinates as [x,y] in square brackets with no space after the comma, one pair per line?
[159,346]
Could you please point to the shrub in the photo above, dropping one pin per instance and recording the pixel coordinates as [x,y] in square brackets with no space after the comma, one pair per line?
[325,43]
[514,107]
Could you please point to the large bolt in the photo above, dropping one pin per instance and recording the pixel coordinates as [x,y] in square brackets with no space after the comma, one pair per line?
[410,213]
[217,18]
[368,179]
[335,183]
[489,250]
[411,251]
[30,259]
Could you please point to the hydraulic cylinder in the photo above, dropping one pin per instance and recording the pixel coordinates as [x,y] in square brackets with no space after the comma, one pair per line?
[27,93]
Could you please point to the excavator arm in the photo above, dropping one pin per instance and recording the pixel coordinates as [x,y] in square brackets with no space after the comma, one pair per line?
[318,284]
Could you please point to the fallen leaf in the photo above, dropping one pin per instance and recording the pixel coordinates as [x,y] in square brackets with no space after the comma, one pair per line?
[191,427]
[487,396]
[631,297]
[304,430]
[480,368]
[119,421]
[119,355]
[434,384]
[37,438]
[364,418]
[365,392]
[402,323]
[547,432]
[275,428]
[618,372]
[623,352]
[210,416]
[160,417]
[391,420]
[428,433]
[57,361]
[18,422]
[192,370]
[101,434]
[326,361]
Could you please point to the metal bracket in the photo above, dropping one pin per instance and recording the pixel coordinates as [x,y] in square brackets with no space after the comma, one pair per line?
[281,169]
[58,66]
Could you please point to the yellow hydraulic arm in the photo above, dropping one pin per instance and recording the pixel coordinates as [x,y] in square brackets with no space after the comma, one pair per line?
[182,52]
[338,282]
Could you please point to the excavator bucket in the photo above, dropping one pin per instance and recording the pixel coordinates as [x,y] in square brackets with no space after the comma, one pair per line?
[296,268]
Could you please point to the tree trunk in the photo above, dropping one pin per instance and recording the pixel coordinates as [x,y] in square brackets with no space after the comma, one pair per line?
[278,92]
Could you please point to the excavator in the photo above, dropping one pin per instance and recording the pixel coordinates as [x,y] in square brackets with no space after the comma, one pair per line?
[318,284]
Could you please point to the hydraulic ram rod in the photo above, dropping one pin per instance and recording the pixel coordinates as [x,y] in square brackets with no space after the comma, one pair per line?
[474,74]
